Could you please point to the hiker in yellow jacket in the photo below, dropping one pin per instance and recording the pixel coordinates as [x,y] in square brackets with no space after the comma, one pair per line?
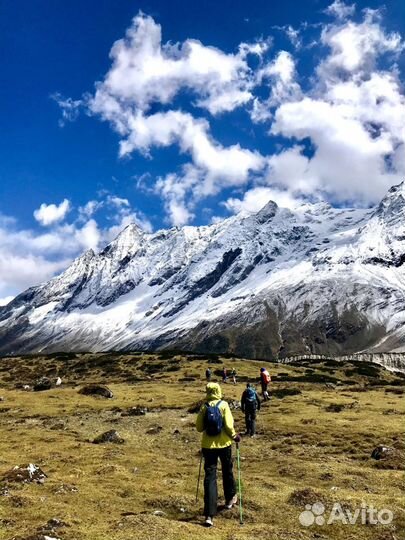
[215,422]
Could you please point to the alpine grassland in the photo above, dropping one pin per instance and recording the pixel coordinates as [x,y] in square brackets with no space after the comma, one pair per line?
[314,443]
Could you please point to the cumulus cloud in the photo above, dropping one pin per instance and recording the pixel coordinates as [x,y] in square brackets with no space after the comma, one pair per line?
[254,199]
[213,166]
[339,130]
[145,71]
[340,9]
[355,47]
[29,256]
[354,118]
[280,75]
[47,214]
[231,163]
[175,190]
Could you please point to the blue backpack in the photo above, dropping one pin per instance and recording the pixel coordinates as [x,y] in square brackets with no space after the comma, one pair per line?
[250,394]
[213,421]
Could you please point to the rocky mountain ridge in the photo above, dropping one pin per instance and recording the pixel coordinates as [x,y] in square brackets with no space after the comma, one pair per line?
[313,280]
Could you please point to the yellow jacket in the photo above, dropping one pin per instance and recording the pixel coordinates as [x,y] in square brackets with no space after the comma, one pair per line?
[228,432]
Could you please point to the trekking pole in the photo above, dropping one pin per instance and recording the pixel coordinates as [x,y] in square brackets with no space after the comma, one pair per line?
[239,485]
[198,481]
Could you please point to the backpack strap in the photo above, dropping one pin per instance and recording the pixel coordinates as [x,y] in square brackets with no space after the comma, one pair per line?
[216,404]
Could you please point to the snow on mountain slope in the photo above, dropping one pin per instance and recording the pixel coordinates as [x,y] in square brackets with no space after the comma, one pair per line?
[316,279]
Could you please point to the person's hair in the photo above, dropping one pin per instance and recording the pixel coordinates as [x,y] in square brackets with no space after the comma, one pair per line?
[248,385]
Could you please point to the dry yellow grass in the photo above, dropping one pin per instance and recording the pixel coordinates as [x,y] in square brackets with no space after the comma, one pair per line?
[111,491]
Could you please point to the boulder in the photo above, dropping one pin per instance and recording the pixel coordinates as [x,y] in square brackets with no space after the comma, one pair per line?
[154,430]
[96,390]
[110,436]
[383,452]
[135,411]
[25,474]
[42,384]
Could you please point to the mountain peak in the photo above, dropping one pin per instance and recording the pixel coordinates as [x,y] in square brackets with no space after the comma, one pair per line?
[392,206]
[128,240]
[268,211]
[314,278]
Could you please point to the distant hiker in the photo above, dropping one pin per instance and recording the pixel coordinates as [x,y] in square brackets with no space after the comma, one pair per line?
[58,381]
[265,380]
[215,421]
[224,375]
[250,403]
[208,374]
[233,375]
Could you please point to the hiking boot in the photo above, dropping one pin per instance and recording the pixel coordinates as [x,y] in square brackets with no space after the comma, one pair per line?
[209,521]
[232,502]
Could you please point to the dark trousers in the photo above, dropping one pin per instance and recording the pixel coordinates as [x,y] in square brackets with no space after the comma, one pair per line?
[210,481]
[250,420]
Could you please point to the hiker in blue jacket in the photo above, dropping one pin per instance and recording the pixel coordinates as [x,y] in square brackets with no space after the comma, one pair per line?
[250,403]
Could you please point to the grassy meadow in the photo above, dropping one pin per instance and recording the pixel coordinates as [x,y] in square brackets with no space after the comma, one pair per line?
[314,442]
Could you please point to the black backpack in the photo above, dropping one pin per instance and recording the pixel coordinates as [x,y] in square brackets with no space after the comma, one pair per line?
[213,421]
[251,399]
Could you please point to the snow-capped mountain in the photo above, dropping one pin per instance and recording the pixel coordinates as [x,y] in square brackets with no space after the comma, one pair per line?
[317,279]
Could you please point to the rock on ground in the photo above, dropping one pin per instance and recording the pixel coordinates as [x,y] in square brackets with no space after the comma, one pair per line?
[42,384]
[111,436]
[25,474]
[96,390]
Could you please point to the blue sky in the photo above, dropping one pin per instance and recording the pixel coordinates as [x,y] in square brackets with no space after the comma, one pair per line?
[203,110]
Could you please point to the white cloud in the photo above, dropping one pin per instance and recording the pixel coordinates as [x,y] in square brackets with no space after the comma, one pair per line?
[254,199]
[342,126]
[175,190]
[89,236]
[145,71]
[356,47]
[220,166]
[70,108]
[347,155]
[294,36]
[89,209]
[340,10]
[257,48]
[21,270]
[119,202]
[354,118]
[281,74]
[47,214]
[6,300]
[29,257]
